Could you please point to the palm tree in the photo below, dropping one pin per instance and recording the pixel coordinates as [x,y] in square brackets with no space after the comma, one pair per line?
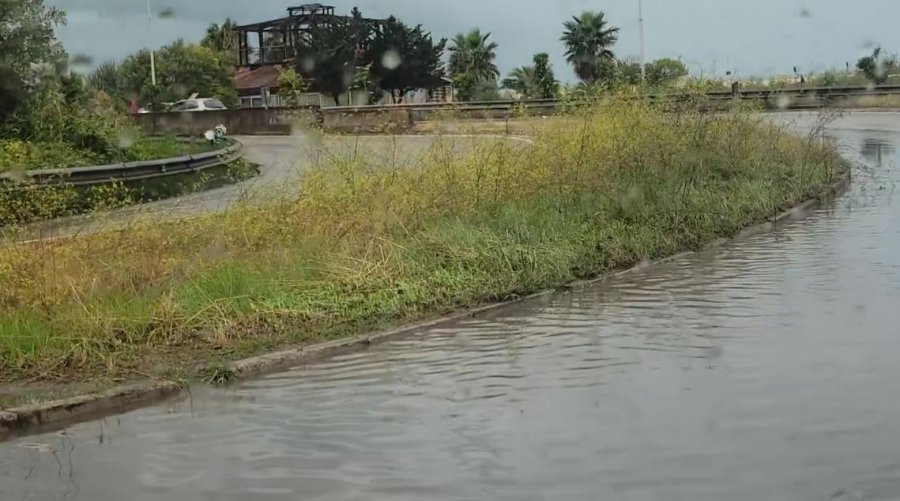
[222,38]
[522,80]
[107,78]
[472,57]
[589,41]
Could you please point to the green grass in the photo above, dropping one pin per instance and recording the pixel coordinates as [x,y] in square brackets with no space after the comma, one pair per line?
[20,205]
[362,246]
[18,156]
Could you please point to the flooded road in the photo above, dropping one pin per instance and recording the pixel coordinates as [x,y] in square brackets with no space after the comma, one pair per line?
[769,369]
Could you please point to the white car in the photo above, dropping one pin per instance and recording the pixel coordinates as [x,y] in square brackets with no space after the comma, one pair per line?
[199,104]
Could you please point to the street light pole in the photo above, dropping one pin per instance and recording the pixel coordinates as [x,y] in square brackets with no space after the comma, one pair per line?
[643,55]
[152,55]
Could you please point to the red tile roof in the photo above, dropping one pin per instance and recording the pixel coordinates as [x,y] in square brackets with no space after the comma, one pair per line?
[265,76]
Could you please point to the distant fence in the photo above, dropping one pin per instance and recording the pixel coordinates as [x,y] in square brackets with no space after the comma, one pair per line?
[402,117]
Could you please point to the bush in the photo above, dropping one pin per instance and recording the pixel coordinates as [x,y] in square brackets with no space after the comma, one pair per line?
[59,131]
[19,156]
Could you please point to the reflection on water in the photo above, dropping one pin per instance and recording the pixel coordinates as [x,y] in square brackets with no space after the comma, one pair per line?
[766,370]
[874,151]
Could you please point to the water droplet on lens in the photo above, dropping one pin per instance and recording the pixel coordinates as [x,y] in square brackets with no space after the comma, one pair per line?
[81,60]
[391,59]
[17,173]
[126,138]
[783,102]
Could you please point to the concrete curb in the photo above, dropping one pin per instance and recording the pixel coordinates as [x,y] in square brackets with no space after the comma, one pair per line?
[84,407]
[78,409]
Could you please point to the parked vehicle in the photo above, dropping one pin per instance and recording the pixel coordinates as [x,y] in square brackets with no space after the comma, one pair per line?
[198,104]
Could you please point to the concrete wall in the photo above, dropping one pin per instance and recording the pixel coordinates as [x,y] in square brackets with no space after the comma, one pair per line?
[246,121]
[351,120]
[362,120]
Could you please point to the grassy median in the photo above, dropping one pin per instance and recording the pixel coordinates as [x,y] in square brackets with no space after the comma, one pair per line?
[361,244]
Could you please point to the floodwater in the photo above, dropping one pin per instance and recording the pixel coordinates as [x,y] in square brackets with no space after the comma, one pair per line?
[769,369]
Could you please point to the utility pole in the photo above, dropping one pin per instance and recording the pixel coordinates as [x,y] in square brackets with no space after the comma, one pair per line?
[643,55]
[150,38]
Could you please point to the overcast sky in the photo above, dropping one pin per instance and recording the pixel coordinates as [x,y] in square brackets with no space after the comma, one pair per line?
[753,37]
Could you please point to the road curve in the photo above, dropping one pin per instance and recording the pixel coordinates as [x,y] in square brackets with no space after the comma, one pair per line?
[281,160]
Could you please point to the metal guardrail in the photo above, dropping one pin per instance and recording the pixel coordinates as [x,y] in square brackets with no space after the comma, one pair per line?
[126,172]
[824,94]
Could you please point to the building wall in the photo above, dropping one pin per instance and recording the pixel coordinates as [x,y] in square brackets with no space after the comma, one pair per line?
[356,98]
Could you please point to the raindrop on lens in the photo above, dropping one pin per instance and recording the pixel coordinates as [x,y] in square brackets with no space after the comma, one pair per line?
[391,59]
[126,139]
[783,102]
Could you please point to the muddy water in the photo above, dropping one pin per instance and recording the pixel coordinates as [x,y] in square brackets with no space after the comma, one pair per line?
[766,370]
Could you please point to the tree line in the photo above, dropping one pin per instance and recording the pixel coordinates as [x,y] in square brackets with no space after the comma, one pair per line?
[386,58]
[395,58]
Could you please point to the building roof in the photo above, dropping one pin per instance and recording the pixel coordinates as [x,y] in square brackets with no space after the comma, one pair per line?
[302,15]
[246,79]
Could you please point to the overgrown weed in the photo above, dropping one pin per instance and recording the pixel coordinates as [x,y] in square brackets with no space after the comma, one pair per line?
[366,241]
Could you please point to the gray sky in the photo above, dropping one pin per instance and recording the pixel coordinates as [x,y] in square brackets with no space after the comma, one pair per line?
[754,37]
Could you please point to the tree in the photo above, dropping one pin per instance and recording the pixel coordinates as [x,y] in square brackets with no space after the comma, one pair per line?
[330,57]
[290,86]
[182,69]
[28,48]
[12,93]
[546,85]
[665,71]
[876,67]
[222,38]
[628,72]
[472,65]
[589,41]
[522,80]
[404,58]
[107,78]
[485,90]
[74,90]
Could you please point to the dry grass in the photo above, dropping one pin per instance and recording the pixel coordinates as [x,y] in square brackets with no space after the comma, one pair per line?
[871,102]
[361,244]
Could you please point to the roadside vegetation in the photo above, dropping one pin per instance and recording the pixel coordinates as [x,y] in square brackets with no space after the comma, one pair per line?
[52,117]
[18,156]
[55,130]
[360,243]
